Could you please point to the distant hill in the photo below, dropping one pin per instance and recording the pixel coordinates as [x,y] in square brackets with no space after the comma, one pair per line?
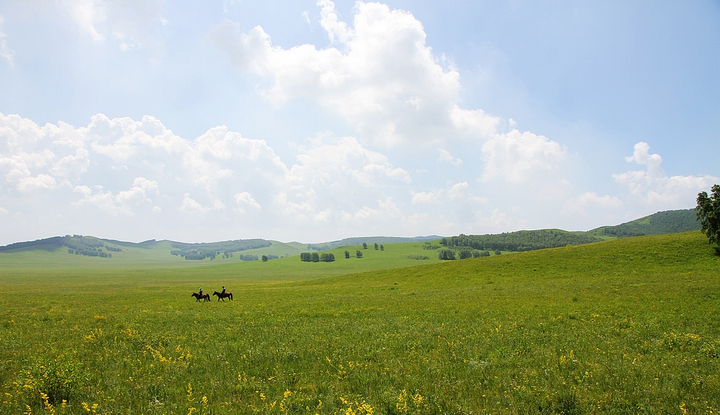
[369,240]
[671,221]
[92,246]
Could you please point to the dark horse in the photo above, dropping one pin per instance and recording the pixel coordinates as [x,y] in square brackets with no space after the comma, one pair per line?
[223,295]
[199,297]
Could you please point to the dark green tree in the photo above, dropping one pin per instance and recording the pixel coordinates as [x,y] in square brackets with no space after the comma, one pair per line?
[364,245]
[708,213]
[465,254]
[358,254]
[446,254]
[347,254]
[376,246]
[382,248]
[264,258]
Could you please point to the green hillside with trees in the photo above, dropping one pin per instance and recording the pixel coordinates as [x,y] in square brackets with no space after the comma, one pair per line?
[519,241]
[671,221]
[674,221]
[455,247]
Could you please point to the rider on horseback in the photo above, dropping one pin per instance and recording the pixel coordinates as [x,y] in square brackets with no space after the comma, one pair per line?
[200,291]
[223,291]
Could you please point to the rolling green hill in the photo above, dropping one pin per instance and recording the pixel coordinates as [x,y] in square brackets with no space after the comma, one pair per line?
[672,221]
[175,254]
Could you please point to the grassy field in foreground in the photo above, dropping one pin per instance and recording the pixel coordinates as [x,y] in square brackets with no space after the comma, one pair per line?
[626,326]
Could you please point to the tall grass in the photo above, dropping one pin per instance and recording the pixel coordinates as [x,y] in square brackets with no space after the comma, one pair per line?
[627,326]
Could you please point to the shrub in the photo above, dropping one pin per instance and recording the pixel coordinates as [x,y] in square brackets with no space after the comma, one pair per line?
[446,254]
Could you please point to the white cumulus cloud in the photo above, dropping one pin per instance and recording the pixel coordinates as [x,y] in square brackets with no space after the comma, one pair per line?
[5,51]
[517,157]
[426,198]
[657,190]
[245,201]
[580,204]
[446,157]
[39,182]
[129,22]
[121,203]
[380,75]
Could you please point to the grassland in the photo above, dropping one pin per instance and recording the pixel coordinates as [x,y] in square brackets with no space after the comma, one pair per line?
[625,326]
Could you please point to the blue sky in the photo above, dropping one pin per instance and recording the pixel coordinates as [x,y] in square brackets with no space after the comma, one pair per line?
[315,121]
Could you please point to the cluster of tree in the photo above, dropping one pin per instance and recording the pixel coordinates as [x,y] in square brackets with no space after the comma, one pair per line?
[673,221]
[195,254]
[90,252]
[358,254]
[249,257]
[315,257]
[708,213]
[449,254]
[519,241]
[377,247]
[212,249]
[199,255]
[446,254]
[430,247]
[266,258]
[418,257]
[88,246]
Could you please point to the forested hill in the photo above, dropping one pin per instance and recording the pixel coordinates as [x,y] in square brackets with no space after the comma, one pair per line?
[671,221]
[92,246]
[674,221]
[76,244]
[519,241]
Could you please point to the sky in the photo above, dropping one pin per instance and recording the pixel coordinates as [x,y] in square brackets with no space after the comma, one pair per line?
[315,121]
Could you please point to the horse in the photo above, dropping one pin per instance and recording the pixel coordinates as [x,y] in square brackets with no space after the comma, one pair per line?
[199,297]
[223,295]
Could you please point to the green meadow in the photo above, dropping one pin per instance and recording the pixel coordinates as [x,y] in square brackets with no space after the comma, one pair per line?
[625,326]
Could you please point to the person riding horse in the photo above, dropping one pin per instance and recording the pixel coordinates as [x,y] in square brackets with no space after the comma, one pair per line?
[223,295]
[198,297]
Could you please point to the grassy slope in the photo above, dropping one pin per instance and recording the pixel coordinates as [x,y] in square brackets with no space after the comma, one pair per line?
[625,326]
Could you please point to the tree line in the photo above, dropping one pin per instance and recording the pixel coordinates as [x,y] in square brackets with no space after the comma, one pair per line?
[449,254]
[199,255]
[315,257]
[518,241]
[673,221]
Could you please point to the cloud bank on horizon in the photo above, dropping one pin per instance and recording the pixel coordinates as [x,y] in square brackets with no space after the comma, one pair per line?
[386,143]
